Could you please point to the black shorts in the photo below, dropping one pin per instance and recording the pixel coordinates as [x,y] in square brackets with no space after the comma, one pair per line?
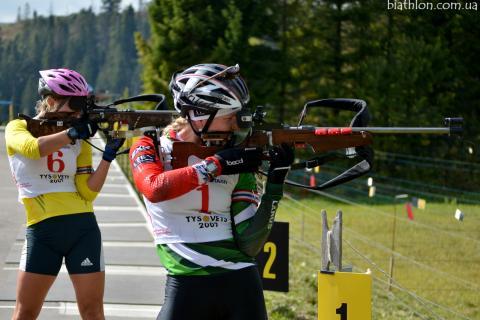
[233,295]
[75,237]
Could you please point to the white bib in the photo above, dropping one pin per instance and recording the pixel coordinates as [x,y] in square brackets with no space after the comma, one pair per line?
[201,215]
[53,173]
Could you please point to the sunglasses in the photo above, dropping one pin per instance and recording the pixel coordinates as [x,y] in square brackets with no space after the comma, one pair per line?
[77,103]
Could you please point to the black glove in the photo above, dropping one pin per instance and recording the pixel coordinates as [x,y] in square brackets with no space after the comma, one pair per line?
[111,148]
[238,160]
[82,130]
[281,158]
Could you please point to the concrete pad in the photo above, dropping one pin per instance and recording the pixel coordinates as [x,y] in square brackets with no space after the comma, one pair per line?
[13,256]
[69,311]
[115,188]
[113,172]
[123,200]
[20,234]
[131,287]
[131,215]
[126,233]
[116,179]
[142,256]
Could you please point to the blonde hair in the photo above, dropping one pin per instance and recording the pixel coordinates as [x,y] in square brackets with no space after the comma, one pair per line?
[43,107]
[176,125]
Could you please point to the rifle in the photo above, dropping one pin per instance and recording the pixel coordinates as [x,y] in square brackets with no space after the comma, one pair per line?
[113,122]
[326,142]
[354,140]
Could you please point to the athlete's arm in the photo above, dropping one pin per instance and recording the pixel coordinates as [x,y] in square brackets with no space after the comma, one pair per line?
[53,142]
[97,178]
[85,173]
[252,224]
[153,181]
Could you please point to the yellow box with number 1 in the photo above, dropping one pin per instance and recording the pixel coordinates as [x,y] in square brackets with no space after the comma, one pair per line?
[344,296]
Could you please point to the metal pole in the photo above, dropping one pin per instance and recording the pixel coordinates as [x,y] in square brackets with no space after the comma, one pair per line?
[394,227]
[10,112]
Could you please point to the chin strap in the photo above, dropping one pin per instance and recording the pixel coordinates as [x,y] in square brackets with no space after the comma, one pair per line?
[199,133]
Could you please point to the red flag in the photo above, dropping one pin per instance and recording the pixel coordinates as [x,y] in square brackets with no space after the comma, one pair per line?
[408,206]
[313,183]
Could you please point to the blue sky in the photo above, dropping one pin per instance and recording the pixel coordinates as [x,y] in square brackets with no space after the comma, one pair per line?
[9,8]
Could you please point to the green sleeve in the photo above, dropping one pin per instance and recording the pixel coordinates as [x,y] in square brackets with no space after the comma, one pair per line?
[251,234]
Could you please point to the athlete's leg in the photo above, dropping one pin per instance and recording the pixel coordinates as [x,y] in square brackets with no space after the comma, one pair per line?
[89,289]
[246,295]
[39,266]
[190,297]
[32,288]
[86,266]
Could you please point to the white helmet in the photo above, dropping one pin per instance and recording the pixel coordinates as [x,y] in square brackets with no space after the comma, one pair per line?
[210,89]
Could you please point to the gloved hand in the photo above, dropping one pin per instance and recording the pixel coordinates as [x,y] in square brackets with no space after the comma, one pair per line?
[236,160]
[82,130]
[112,147]
[281,158]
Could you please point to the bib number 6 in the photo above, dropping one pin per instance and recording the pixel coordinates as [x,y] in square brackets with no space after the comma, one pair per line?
[55,164]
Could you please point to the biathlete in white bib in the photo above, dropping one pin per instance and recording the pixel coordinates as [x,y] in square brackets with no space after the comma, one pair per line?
[57,184]
[208,219]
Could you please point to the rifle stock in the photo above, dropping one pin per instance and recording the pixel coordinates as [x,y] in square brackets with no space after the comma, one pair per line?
[300,138]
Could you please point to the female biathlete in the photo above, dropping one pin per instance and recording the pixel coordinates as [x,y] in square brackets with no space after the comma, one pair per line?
[56,184]
[207,218]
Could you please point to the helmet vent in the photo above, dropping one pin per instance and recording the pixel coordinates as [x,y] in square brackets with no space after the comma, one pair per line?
[64,87]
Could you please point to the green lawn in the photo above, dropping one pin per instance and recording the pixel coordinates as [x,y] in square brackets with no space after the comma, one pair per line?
[437,258]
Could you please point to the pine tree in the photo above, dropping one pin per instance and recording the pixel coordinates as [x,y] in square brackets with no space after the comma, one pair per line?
[216,32]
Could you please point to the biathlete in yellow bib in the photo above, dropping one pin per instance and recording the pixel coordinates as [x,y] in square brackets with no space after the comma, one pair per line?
[57,184]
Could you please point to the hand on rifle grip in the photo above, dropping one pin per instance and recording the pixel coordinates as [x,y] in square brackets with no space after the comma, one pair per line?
[281,158]
[82,129]
[111,148]
[237,160]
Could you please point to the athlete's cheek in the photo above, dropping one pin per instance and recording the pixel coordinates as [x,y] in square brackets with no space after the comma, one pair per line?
[234,125]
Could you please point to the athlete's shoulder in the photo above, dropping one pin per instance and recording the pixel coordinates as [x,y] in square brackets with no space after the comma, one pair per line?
[140,145]
[16,124]
[142,141]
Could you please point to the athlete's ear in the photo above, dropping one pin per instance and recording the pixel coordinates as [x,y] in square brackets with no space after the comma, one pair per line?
[50,102]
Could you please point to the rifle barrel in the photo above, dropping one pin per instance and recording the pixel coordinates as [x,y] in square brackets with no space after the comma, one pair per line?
[404,130]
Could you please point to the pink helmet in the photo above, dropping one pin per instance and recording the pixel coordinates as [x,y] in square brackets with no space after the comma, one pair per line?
[63,82]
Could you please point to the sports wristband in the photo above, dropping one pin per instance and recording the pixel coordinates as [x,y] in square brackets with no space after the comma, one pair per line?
[213,167]
[72,133]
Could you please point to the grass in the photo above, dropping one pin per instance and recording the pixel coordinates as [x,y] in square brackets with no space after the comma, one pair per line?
[436,262]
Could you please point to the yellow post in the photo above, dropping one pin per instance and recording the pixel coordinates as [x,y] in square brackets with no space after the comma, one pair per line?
[344,296]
